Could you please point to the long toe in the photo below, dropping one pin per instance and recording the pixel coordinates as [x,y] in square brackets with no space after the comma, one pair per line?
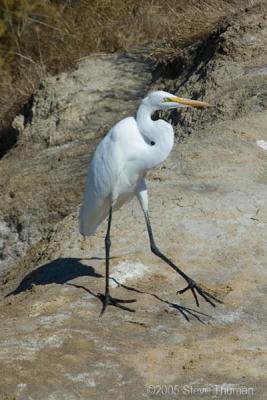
[198,290]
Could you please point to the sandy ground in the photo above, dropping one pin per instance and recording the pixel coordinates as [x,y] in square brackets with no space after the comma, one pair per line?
[209,213]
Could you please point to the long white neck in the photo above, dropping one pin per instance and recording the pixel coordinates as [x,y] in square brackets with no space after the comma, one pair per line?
[158,132]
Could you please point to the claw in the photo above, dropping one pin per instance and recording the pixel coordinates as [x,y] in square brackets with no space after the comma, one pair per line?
[108,300]
[196,288]
[193,313]
[195,296]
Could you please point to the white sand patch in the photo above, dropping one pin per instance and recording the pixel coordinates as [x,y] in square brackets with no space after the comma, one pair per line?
[85,378]
[262,144]
[258,71]
[28,347]
[60,396]
[21,386]
[126,271]
[228,318]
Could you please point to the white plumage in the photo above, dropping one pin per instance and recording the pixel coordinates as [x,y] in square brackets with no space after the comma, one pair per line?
[113,175]
[117,173]
[121,160]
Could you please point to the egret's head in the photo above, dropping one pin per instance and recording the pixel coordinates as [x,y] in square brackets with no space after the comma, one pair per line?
[161,100]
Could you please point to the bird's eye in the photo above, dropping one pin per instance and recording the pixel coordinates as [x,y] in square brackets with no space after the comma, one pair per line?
[152,143]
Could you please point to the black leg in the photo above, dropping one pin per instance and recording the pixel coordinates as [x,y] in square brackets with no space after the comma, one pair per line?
[107,248]
[192,285]
[107,299]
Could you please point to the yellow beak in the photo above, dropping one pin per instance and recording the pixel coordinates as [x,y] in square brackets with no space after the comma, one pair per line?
[186,102]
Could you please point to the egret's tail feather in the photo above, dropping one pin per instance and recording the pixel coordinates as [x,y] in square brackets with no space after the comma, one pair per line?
[90,220]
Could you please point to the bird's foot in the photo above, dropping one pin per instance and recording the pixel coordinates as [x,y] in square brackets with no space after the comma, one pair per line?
[189,312]
[198,290]
[108,300]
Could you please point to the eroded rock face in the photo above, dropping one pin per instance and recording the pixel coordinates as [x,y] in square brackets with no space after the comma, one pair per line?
[208,209]
[227,68]
[42,178]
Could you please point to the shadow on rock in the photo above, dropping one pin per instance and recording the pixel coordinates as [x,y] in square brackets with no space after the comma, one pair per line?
[58,271]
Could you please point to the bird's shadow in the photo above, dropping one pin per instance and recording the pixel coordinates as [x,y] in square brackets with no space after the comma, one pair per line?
[57,271]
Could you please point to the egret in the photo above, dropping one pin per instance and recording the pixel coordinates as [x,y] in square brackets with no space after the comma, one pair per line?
[117,173]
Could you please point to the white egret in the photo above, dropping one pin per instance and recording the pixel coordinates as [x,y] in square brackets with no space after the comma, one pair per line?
[117,173]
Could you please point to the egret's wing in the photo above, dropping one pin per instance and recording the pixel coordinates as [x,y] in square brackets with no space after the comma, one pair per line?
[110,171]
[131,155]
[99,180]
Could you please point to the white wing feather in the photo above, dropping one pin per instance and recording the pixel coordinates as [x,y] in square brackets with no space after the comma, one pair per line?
[113,174]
